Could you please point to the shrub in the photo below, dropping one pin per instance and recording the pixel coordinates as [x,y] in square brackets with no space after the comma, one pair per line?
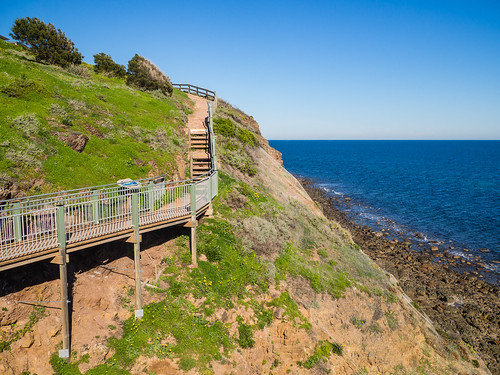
[358,323]
[322,351]
[22,87]
[247,137]
[56,110]
[105,64]
[245,336]
[28,156]
[145,75]
[46,42]
[225,127]
[78,70]
[27,124]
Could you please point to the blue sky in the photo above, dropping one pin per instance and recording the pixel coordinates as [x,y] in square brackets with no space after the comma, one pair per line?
[310,69]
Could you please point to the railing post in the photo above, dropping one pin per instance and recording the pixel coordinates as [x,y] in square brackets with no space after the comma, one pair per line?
[137,254]
[18,234]
[194,258]
[210,187]
[63,274]
[212,140]
[151,196]
[95,207]
[215,190]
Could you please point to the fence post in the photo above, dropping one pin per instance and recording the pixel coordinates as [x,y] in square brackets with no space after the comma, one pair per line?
[210,188]
[95,206]
[18,233]
[216,183]
[63,275]
[194,258]
[151,196]
[137,254]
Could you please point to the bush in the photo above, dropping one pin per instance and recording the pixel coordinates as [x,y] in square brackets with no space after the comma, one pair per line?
[247,137]
[27,156]
[225,127]
[105,64]
[27,124]
[46,42]
[245,336]
[23,87]
[78,70]
[145,75]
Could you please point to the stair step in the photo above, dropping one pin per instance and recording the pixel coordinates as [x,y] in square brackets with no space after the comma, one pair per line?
[201,154]
[200,142]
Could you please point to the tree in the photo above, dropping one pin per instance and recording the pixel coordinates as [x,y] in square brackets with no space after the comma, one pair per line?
[47,43]
[105,64]
[145,75]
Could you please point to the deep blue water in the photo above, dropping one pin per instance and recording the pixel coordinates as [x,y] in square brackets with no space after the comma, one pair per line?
[447,190]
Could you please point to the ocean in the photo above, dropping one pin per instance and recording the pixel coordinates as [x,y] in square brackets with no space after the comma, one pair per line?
[444,193]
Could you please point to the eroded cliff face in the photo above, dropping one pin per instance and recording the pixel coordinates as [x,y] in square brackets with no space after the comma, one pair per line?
[279,289]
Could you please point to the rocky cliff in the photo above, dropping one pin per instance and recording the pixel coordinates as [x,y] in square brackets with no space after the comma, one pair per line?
[278,289]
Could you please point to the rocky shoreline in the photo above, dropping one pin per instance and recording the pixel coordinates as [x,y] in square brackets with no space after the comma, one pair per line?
[461,305]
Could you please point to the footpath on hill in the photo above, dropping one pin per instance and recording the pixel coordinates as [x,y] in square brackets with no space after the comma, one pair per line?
[101,285]
[197,118]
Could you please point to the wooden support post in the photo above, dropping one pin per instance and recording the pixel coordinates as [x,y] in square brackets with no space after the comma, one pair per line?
[137,255]
[63,274]
[194,257]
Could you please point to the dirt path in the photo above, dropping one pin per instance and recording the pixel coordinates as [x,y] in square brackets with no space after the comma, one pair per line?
[197,118]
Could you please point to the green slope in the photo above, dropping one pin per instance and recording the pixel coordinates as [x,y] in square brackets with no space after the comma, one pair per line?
[130,133]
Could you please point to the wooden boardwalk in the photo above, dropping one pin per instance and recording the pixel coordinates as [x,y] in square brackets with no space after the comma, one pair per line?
[51,226]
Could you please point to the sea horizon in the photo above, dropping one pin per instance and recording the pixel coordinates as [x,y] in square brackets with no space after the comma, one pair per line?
[445,191]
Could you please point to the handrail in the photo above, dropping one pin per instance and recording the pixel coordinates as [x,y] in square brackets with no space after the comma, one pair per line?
[195,90]
[30,225]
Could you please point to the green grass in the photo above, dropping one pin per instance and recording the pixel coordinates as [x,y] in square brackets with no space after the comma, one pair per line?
[122,125]
[323,277]
[245,334]
[392,320]
[358,323]
[322,351]
[16,334]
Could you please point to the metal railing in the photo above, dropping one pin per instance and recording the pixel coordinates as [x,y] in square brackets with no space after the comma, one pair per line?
[36,224]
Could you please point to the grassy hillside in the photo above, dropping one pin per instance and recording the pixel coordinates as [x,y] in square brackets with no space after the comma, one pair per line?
[279,289]
[44,109]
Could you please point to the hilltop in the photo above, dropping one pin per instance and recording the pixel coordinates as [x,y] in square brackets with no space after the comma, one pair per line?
[279,288]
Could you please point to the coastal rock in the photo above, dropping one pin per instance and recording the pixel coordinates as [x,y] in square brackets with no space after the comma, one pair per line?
[477,326]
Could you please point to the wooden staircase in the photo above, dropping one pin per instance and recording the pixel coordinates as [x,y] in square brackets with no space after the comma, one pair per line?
[200,161]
